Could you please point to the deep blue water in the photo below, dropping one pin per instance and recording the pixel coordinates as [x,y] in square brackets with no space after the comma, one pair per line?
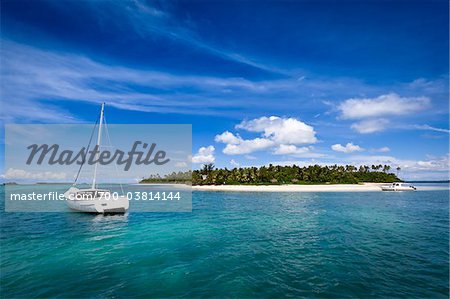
[342,245]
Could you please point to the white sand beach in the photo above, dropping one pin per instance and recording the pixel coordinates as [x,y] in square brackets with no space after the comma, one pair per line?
[366,187]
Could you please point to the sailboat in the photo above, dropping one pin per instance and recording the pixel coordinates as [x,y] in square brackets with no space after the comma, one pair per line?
[93,199]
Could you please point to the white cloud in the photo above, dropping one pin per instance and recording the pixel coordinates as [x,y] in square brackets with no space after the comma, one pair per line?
[13,173]
[248,146]
[439,164]
[284,149]
[204,155]
[370,125]
[234,163]
[426,169]
[348,148]
[181,164]
[32,77]
[434,164]
[384,105]
[281,130]
[383,149]
[375,113]
[280,134]
[302,163]
[427,127]
[35,81]
[229,138]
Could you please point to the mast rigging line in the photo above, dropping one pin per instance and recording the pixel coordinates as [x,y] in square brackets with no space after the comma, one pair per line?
[87,150]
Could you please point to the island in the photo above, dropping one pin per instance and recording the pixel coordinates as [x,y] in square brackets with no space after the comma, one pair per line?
[282,178]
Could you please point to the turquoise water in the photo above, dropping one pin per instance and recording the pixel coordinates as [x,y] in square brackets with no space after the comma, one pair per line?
[237,245]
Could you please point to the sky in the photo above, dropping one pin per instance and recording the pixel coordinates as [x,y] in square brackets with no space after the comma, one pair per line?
[282,82]
[171,149]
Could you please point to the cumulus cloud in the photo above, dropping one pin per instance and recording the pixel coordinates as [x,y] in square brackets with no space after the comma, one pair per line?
[388,104]
[229,138]
[282,135]
[348,148]
[370,125]
[204,155]
[248,146]
[284,149]
[281,130]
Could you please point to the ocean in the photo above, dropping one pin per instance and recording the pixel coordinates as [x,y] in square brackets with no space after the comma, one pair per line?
[243,245]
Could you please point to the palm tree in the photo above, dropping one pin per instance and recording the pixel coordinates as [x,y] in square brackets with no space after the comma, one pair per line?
[208,168]
[398,170]
[282,174]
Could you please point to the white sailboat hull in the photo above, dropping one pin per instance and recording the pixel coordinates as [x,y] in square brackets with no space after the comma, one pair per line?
[99,205]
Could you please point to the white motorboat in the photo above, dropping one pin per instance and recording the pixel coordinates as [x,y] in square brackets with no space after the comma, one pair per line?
[398,187]
[94,200]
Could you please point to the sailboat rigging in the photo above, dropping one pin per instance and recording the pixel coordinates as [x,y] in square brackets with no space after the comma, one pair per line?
[94,200]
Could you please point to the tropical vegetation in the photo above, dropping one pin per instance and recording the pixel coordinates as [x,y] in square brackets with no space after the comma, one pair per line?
[172,178]
[276,175]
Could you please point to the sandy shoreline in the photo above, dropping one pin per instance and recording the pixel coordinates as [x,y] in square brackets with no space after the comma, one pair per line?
[366,187]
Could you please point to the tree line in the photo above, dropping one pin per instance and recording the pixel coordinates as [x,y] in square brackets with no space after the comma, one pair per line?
[172,178]
[276,174]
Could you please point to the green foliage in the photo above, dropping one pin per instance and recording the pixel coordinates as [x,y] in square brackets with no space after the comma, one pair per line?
[173,178]
[272,175]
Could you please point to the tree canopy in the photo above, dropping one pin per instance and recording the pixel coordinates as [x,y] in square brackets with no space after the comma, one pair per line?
[276,174]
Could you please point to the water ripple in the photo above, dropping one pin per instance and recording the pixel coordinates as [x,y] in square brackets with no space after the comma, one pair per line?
[236,245]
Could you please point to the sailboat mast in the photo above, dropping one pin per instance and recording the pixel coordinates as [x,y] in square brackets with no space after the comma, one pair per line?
[99,139]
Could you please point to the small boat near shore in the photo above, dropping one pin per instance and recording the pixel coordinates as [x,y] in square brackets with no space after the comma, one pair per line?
[398,187]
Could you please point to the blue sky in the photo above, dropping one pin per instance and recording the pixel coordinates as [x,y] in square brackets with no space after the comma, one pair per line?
[261,82]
